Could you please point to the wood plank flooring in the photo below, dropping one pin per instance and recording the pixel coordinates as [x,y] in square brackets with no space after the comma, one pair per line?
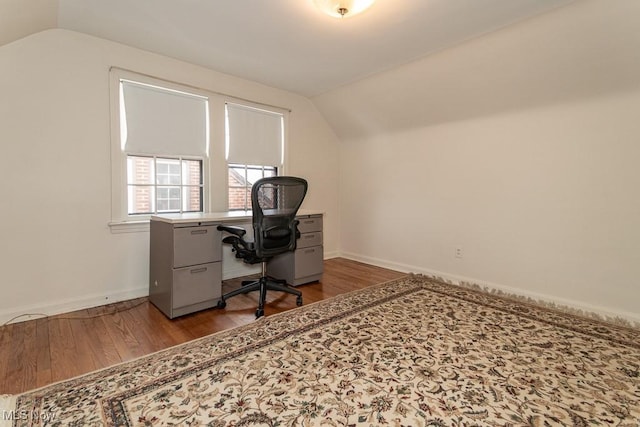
[38,352]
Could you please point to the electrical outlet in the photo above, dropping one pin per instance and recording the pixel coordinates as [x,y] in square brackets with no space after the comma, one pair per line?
[458,252]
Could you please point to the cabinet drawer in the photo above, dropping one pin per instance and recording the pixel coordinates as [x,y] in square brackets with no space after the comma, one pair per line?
[310,224]
[309,239]
[196,245]
[192,285]
[308,261]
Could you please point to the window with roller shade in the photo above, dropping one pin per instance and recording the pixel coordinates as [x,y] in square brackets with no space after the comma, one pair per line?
[176,147]
[254,149]
[164,138]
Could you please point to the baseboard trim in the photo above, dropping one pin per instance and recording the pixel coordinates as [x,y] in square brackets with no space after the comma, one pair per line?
[332,254]
[37,311]
[575,307]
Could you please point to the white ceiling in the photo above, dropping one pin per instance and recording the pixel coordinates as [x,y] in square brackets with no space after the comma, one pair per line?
[289,44]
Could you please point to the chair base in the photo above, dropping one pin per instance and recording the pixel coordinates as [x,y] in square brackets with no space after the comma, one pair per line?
[263,284]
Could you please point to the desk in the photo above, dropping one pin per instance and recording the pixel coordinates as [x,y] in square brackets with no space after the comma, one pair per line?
[185,262]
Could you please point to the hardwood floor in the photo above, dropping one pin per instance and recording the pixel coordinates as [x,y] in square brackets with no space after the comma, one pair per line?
[39,352]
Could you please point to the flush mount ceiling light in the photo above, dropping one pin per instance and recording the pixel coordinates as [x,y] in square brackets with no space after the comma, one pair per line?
[342,8]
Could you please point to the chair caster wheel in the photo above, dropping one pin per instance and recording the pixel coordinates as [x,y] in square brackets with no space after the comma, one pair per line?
[222,303]
[299,301]
[259,313]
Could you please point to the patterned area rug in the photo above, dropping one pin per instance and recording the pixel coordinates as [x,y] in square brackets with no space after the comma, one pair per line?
[411,352]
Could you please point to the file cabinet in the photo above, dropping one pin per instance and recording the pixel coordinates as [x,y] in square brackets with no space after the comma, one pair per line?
[185,267]
[305,264]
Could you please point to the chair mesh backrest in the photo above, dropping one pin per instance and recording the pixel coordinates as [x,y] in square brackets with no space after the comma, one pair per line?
[275,202]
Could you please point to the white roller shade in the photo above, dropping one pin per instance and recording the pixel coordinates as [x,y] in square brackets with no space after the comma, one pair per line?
[254,136]
[164,122]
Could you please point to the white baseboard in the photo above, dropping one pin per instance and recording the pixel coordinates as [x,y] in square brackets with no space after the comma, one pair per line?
[36,311]
[561,303]
[332,254]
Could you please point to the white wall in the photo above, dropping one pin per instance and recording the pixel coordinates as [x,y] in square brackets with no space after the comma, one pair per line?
[520,147]
[57,251]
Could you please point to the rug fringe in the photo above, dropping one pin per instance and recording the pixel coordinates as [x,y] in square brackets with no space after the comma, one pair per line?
[612,320]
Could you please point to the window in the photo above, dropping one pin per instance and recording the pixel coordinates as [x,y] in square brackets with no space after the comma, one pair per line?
[254,149]
[241,179]
[166,159]
[161,158]
[163,185]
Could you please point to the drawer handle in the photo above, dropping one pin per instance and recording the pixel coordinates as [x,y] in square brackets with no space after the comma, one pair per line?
[202,231]
[198,270]
[309,251]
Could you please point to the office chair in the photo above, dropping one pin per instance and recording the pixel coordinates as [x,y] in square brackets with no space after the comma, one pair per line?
[275,202]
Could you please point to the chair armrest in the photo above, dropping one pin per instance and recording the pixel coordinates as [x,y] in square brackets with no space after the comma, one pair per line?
[296,222]
[233,229]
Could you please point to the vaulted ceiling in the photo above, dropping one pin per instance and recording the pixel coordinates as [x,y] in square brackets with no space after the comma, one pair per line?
[287,44]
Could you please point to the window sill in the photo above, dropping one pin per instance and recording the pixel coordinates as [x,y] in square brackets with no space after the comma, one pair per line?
[118,227]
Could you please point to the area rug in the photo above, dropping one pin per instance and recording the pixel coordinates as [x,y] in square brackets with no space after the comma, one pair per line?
[410,352]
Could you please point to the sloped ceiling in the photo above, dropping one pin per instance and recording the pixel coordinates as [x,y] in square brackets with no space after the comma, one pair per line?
[287,44]
[588,50]
[20,18]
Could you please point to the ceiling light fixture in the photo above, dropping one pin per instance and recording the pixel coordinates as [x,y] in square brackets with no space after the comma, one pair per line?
[343,8]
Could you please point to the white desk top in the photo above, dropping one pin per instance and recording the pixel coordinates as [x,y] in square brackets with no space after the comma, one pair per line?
[229,216]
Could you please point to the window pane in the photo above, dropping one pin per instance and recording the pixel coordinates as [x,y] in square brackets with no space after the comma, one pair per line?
[253,174]
[174,193]
[163,168]
[236,177]
[192,199]
[270,172]
[141,199]
[168,172]
[191,172]
[168,199]
[140,170]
